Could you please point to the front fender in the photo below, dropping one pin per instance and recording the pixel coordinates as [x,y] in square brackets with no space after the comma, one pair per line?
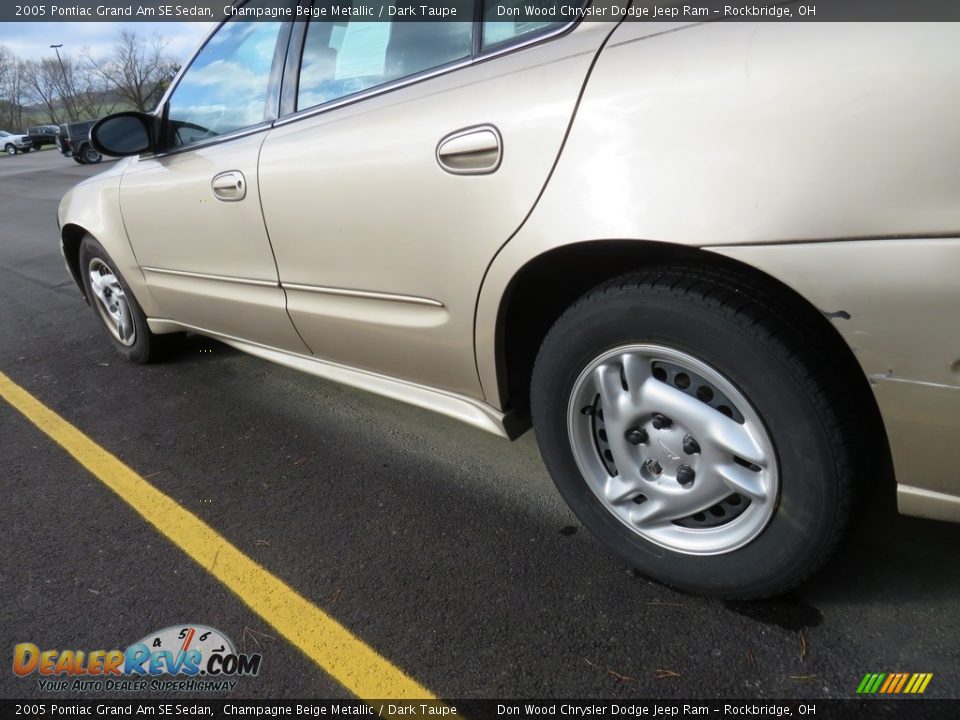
[93,208]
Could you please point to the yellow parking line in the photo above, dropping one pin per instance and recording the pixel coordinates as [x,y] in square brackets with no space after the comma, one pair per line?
[345,657]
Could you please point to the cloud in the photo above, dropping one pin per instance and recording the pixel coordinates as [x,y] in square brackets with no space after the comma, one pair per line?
[32,40]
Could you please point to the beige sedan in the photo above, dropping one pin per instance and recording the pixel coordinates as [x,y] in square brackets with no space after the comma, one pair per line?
[713,265]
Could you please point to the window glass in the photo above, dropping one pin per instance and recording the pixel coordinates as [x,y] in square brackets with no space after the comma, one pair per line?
[505,21]
[343,57]
[225,88]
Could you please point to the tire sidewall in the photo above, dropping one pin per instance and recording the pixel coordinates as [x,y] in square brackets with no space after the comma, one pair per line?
[795,536]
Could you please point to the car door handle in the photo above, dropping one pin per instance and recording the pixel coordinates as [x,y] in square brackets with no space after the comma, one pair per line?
[471,151]
[229,186]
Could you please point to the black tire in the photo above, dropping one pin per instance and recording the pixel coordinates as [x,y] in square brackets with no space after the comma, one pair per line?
[146,347]
[10,149]
[26,149]
[89,155]
[78,159]
[753,337]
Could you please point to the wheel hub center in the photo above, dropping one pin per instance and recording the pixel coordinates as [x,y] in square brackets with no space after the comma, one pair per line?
[668,450]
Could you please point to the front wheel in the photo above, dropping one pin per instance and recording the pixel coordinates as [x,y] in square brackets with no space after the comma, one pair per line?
[116,306]
[10,149]
[687,421]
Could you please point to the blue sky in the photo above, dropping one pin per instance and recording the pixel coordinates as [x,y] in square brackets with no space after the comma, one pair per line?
[32,40]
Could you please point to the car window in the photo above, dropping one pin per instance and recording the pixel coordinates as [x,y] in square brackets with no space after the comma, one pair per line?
[344,57]
[498,29]
[226,86]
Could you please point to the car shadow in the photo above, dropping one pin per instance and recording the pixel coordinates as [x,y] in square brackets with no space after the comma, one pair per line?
[888,558]
[892,557]
[194,349]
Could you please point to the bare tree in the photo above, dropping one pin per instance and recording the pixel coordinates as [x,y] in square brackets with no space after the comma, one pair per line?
[138,71]
[11,90]
[45,86]
[92,96]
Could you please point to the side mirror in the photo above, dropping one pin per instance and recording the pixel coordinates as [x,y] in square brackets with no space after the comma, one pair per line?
[126,133]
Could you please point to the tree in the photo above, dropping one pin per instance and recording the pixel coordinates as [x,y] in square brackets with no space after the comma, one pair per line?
[45,85]
[138,71]
[11,90]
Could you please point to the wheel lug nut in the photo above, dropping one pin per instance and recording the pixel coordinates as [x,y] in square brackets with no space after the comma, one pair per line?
[690,446]
[686,475]
[653,467]
[661,422]
[636,436]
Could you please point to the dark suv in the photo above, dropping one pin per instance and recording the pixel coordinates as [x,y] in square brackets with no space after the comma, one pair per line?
[41,135]
[73,139]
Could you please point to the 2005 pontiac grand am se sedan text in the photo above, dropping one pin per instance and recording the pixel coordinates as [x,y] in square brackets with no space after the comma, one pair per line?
[713,265]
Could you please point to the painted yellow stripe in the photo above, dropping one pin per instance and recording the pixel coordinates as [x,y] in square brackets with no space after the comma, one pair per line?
[903,680]
[888,682]
[914,680]
[926,681]
[345,657]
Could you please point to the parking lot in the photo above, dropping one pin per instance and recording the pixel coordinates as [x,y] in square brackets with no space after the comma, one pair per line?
[444,549]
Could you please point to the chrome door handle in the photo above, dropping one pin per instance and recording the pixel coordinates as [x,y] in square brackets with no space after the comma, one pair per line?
[229,186]
[471,151]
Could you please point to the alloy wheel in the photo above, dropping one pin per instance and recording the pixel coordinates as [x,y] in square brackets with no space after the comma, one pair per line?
[111,302]
[673,449]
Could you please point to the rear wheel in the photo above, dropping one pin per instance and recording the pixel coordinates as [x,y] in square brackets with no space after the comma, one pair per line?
[690,423]
[90,156]
[117,308]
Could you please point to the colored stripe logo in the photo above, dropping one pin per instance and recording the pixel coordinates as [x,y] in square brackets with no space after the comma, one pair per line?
[894,683]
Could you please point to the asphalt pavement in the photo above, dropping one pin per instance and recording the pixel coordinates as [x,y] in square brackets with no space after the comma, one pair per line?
[445,549]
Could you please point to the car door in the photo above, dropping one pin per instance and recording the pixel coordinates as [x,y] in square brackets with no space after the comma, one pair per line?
[413,152]
[193,212]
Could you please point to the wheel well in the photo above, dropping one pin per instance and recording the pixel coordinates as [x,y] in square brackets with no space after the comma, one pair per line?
[71,237]
[544,288]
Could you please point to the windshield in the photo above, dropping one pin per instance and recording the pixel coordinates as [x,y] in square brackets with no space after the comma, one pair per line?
[4,133]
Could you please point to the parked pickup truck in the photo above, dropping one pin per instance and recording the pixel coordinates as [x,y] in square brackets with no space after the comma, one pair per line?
[12,144]
[41,135]
[73,140]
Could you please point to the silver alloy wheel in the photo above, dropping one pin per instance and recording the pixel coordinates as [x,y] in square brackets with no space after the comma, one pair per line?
[673,449]
[111,302]
[11,150]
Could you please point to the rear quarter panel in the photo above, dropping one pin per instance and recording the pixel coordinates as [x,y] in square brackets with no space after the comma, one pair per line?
[730,136]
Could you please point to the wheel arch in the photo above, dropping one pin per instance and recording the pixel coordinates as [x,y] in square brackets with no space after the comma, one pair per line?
[71,236]
[541,290]
[93,208]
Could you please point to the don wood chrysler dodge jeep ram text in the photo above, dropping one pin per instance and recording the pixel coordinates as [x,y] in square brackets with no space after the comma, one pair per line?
[713,265]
